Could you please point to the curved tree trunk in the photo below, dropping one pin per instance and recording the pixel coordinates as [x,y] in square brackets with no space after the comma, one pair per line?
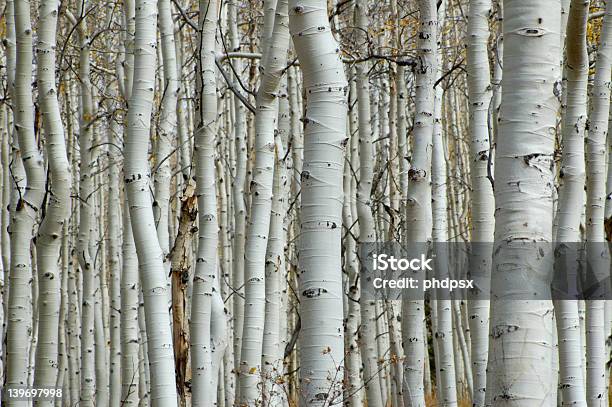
[51,228]
[137,175]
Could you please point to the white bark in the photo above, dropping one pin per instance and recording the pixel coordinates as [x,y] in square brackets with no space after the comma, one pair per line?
[86,225]
[571,202]
[25,211]
[166,130]
[597,254]
[367,234]
[443,334]
[238,193]
[129,316]
[48,240]
[114,253]
[207,326]
[137,177]
[353,390]
[260,209]
[521,343]
[483,203]
[272,353]
[320,290]
[418,205]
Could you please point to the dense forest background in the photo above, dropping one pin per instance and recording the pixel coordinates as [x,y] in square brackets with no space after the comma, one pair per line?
[185,188]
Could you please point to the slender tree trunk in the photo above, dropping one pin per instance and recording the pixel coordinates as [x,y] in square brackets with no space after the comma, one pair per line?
[166,131]
[597,253]
[418,207]
[137,177]
[261,205]
[320,290]
[571,202]
[483,203]
[48,239]
[26,209]
[367,234]
[272,354]
[443,335]
[206,339]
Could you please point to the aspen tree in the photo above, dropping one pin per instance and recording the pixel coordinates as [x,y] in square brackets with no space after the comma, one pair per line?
[207,331]
[418,203]
[166,130]
[114,253]
[443,334]
[353,391]
[367,233]
[483,203]
[8,186]
[51,228]
[85,228]
[272,356]
[137,177]
[571,201]
[238,185]
[24,209]
[129,316]
[261,203]
[521,330]
[320,279]
[597,253]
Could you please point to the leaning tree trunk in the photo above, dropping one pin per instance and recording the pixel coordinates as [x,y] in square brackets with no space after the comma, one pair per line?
[418,202]
[48,241]
[521,345]
[320,290]
[137,175]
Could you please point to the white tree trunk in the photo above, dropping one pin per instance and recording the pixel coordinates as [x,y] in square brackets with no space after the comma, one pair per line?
[48,240]
[521,343]
[137,177]
[597,253]
[320,290]
[261,205]
[418,204]
[571,202]
[443,334]
[207,331]
[24,211]
[367,234]
[483,203]
[129,316]
[166,130]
